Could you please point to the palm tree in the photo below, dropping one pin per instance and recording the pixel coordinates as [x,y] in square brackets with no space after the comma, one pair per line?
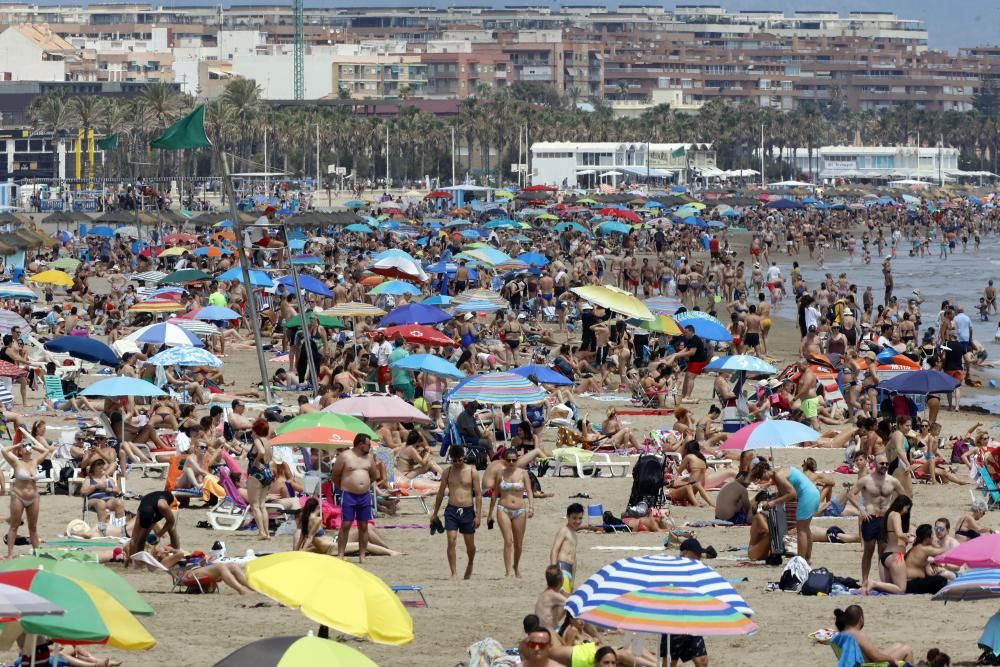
[243,97]
[49,114]
[85,113]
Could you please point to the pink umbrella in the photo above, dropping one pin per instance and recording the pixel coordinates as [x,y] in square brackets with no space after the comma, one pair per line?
[379,408]
[981,552]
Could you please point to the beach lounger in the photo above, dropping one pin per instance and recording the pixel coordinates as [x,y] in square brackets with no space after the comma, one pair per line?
[990,489]
[419,590]
[595,519]
[583,462]
[232,512]
[160,468]
[54,389]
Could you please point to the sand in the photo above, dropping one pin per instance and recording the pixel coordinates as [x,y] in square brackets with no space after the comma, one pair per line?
[199,630]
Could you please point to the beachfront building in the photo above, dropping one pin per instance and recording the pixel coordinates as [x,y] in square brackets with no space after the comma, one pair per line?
[565,163]
[885,163]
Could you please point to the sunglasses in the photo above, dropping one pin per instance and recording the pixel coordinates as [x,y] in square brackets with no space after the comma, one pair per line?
[940,529]
[882,464]
[537,645]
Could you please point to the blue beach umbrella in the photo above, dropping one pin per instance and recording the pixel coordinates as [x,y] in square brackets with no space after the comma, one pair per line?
[395,288]
[358,228]
[101,231]
[87,349]
[571,226]
[307,283]
[921,382]
[257,278]
[741,362]
[216,314]
[611,227]
[705,325]
[544,374]
[533,259]
[185,355]
[122,386]
[438,300]
[415,313]
[478,307]
[430,364]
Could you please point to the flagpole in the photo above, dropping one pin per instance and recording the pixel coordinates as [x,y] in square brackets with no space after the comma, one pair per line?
[254,319]
[762,155]
[303,320]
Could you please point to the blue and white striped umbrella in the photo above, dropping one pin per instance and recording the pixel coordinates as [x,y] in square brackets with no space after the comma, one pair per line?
[149,276]
[642,572]
[478,307]
[741,362]
[9,319]
[16,291]
[199,328]
[185,355]
[164,333]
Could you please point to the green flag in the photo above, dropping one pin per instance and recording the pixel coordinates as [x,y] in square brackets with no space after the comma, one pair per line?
[678,153]
[188,132]
[108,143]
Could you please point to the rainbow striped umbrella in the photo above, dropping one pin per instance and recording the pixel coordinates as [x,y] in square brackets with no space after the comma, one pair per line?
[671,611]
[16,291]
[354,309]
[498,389]
[9,319]
[662,305]
[972,585]
[156,306]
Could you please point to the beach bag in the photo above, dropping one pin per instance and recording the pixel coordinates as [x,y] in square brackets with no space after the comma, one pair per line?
[819,581]
[794,575]
[958,450]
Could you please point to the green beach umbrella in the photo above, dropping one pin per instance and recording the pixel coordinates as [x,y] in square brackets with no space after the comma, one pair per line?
[94,574]
[185,276]
[326,321]
[67,264]
[326,420]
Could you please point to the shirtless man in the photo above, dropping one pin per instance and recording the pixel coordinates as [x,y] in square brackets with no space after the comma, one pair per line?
[895,450]
[461,482]
[806,393]
[354,473]
[991,296]
[753,337]
[546,290]
[563,551]
[764,310]
[461,278]
[877,490]
[551,604]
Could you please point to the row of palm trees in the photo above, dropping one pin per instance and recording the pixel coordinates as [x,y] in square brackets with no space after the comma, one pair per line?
[486,133]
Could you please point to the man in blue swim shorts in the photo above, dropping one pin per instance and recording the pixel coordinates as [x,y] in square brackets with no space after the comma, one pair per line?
[354,473]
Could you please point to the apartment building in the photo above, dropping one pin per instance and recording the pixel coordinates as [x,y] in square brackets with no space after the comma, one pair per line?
[864,60]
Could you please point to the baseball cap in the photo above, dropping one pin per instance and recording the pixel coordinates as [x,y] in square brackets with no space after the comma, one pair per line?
[586,306]
[692,545]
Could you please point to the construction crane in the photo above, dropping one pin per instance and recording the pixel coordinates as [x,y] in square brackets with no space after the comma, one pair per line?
[300,50]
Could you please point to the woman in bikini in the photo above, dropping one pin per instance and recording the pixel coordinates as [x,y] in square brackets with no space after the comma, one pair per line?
[102,494]
[920,578]
[311,536]
[895,535]
[686,491]
[24,459]
[620,436]
[415,458]
[968,527]
[514,510]
[259,476]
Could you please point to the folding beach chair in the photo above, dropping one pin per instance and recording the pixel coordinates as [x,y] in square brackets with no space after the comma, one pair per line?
[990,489]
[384,454]
[777,527]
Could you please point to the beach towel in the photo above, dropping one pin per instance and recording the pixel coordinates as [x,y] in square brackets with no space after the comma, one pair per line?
[211,487]
[490,653]
[848,652]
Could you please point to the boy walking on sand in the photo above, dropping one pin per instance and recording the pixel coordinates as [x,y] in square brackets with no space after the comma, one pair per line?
[465,505]
[563,552]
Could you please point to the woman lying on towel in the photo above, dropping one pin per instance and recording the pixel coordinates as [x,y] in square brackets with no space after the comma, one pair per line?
[311,536]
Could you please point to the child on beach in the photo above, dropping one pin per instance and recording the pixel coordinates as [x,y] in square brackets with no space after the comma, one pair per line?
[563,552]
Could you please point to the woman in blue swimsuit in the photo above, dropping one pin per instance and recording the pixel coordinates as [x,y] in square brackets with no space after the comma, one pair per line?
[792,485]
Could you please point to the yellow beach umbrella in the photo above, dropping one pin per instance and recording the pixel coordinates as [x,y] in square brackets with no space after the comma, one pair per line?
[614,299]
[696,204]
[660,324]
[503,194]
[53,277]
[176,251]
[353,309]
[334,593]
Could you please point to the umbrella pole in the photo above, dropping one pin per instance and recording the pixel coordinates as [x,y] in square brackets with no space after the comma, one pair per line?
[304,321]
[34,647]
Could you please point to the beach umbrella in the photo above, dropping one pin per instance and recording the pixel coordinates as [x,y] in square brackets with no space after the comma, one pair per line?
[487,255]
[419,334]
[660,324]
[971,585]
[354,309]
[430,364]
[662,305]
[437,299]
[414,313]
[215,314]
[164,333]
[149,276]
[980,553]
[176,251]
[611,227]
[393,252]
[402,268]
[257,278]
[614,299]
[16,291]
[156,306]
[319,437]
[16,602]
[480,294]
[544,374]
[91,616]
[437,194]
[498,389]
[325,320]
[185,355]
[571,226]
[771,433]
[741,362]
[645,572]
[179,237]
[85,348]
[9,319]
[307,260]
[334,593]
[396,288]
[171,293]
[185,276]
[668,610]
[116,387]
[52,277]
[784,204]
[68,264]
[307,283]
[102,230]
[335,420]
[354,204]
[92,573]
[195,327]
[705,326]
[10,370]
[295,652]
[477,307]
[378,408]
[358,228]
[921,382]
[212,251]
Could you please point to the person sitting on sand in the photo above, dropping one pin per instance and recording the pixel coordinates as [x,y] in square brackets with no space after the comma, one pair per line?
[414,458]
[686,491]
[968,527]
[918,562]
[311,536]
[852,621]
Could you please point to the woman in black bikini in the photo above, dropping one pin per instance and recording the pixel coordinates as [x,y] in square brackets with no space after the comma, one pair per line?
[968,527]
[259,476]
[895,535]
